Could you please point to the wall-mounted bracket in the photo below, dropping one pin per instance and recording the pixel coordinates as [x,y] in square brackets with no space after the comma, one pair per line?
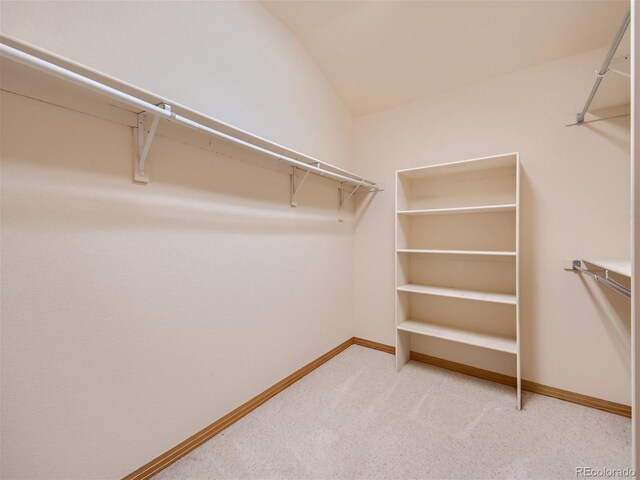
[295,189]
[145,138]
[343,199]
[620,72]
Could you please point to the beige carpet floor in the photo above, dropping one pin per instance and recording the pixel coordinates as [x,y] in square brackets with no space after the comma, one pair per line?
[356,418]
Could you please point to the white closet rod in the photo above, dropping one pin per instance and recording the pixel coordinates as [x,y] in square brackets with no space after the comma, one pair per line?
[160,112]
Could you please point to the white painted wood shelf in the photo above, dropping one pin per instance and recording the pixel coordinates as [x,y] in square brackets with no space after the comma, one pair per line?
[479,250]
[509,207]
[478,339]
[456,168]
[504,298]
[491,253]
[621,267]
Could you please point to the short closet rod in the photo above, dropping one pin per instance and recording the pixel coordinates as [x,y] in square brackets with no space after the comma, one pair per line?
[605,65]
[606,281]
[52,69]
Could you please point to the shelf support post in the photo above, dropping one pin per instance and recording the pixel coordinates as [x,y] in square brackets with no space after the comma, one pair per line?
[144,144]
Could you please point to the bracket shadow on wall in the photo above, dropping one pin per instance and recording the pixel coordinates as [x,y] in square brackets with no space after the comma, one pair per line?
[151,108]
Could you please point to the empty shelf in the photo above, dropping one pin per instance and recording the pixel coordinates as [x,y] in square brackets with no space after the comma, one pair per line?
[508,207]
[621,267]
[484,340]
[473,165]
[493,253]
[504,298]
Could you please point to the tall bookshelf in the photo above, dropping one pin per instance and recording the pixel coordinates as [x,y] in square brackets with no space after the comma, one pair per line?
[457,256]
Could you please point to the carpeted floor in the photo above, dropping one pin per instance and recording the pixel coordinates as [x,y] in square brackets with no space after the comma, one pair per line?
[356,418]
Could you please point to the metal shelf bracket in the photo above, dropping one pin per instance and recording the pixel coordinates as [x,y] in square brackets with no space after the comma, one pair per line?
[145,138]
[343,199]
[295,189]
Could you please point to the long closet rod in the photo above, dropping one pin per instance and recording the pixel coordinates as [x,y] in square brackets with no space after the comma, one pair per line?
[166,113]
[605,65]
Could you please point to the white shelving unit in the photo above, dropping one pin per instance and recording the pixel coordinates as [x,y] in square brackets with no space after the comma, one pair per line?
[457,256]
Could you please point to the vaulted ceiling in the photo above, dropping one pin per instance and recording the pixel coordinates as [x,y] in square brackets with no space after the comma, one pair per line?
[378,54]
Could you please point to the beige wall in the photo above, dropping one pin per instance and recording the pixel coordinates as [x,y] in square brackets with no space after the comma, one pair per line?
[132,315]
[231,60]
[575,204]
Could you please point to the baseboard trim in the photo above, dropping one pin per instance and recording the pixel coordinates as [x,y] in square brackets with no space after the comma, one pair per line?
[163,461]
[375,345]
[529,386]
[463,368]
[580,399]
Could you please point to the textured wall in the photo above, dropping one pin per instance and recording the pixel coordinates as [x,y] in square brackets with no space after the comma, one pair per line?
[575,204]
[133,315]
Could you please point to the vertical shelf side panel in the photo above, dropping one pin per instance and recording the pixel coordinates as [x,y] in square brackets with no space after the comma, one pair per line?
[518,367]
[403,348]
[403,231]
[403,339]
[403,188]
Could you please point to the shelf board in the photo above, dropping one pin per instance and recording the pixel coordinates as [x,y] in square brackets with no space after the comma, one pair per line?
[508,207]
[491,253]
[621,267]
[504,298]
[484,340]
[476,164]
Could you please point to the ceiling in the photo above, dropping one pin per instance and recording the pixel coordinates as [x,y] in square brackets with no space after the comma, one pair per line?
[378,54]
